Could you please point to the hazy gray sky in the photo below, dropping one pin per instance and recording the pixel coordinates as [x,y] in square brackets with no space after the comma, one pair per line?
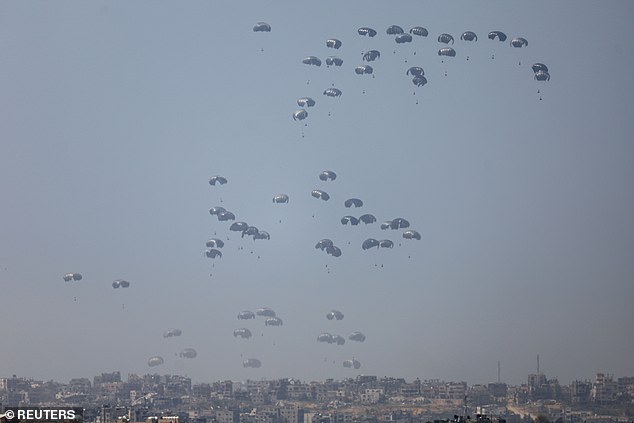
[115,114]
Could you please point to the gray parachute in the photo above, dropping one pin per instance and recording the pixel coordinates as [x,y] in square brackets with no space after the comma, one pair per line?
[215,243]
[280,199]
[213,253]
[349,219]
[386,243]
[334,314]
[447,51]
[252,362]
[265,312]
[322,195]
[226,216]
[371,56]
[305,102]
[155,361]
[273,321]
[220,180]
[419,80]
[188,353]
[411,234]
[243,333]
[246,315]
[415,71]
[356,336]
[332,92]
[352,364]
[120,283]
[403,38]
[445,38]
[72,277]
[238,226]
[300,114]
[364,70]
[394,30]
[519,42]
[365,31]
[350,202]
[370,243]
[170,333]
[333,251]
[327,175]
[216,210]
[367,218]
[333,43]
[334,61]
[419,30]
[469,36]
[262,27]
[311,60]
[499,35]
[323,244]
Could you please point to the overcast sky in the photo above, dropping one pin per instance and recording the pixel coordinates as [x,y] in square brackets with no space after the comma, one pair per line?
[115,114]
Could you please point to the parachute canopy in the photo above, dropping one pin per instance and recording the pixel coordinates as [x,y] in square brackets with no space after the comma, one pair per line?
[273,321]
[213,253]
[311,60]
[372,55]
[169,333]
[334,61]
[356,336]
[497,34]
[367,218]
[323,195]
[262,27]
[447,51]
[403,38]
[411,234]
[155,361]
[327,175]
[300,114]
[246,315]
[363,70]
[243,333]
[445,38]
[332,92]
[216,210]
[333,43]
[349,219]
[369,243]
[188,353]
[419,30]
[252,362]
[220,180]
[323,244]
[280,198]
[394,30]
[238,226]
[215,243]
[419,80]
[415,71]
[305,102]
[469,36]
[334,314]
[519,42]
[353,202]
[365,31]
[265,312]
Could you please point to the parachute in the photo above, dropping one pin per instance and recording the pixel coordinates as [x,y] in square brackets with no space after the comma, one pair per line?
[419,80]
[366,31]
[332,92]
[250,231]
[155,361]
[262,235]
[333,251]
[265,312]
[72,277]
[213,253]
[415,71]
[300,114]
[334,61]
[246,315]
[252,362]
[411,234]
[305,102]
[217,180]
[353,202]
[497,34]
[338,339]
[325,337]
[188,353]
[369,243]
[519,42]
[349,219]
[323,244]
[539,67]
[357,336]
[403,38]
[120,283]
[334,314]
[542,76]
[323,195]
[243,333]
[170,333]
[327,175]
[333,43]
[469,36]
[262,27]
[352,364]
[280,198]
[367,218]
[394,30]
[311,60]
[225,216]
[371,56]
[273,321]
[447,51]
[215,243]
[238,226]
[216,210]
[419,30]
[363,70]
[399,223]
[445,38]
[386,243]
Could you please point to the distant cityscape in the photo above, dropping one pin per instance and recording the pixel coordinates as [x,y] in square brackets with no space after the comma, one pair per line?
[154,398]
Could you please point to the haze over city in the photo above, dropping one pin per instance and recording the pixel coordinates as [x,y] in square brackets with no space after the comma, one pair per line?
[115,115]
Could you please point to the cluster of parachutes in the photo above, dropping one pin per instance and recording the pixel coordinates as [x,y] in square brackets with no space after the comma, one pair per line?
[184,353]
[335,339]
